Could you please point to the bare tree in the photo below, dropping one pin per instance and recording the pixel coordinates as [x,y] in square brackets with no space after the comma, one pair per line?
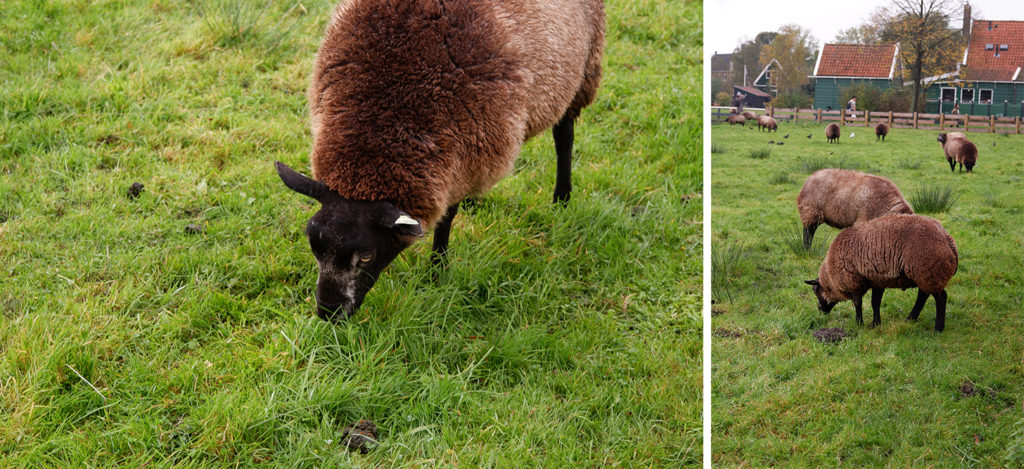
[926,40]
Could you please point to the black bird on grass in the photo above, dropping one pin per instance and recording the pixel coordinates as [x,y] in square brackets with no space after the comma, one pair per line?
[785,136]
[809,135]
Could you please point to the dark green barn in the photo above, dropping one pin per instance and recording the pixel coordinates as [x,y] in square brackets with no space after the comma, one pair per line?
[843,65]
[989,81]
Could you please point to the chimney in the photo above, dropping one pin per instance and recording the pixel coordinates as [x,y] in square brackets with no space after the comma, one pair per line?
[967,20]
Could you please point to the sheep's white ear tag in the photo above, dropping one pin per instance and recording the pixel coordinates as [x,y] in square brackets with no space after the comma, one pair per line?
[406,220]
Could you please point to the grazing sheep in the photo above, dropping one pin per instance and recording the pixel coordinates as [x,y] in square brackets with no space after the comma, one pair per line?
[894,251]
[959,150]
[766,122]
[417,104]
[841,198]
[881,130]
[832,132]
[750,115]
[734,119]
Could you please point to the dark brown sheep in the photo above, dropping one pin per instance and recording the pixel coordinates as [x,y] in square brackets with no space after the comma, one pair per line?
[881,130]
[841,198]
[959,150]
[832,132]
[894,251]
[417,104]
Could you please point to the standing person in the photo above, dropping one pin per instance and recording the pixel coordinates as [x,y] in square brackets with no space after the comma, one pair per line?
[738,101]
[851,106]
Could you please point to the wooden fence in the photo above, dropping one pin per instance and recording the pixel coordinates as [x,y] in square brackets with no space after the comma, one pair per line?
[897,120]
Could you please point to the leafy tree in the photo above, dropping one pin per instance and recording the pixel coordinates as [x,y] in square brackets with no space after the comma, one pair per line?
[749,54]
[928,46]
[794,49]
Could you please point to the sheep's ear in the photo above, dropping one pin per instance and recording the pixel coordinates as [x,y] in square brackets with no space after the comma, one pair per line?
[400,222]
[300,183]
[812,282]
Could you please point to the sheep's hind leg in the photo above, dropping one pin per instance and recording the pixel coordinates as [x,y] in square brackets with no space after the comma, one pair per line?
[857,307]
[441,234]
[876,306]
[563,133]
[940,310]
[918,305]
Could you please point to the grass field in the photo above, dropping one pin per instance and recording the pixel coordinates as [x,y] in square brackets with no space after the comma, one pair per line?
[556,337]
[900,395]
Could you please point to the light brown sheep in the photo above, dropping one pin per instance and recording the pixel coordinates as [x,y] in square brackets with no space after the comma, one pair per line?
[842,198]
[959,149]
[832,132]
[881,130]
[766,122]
[734,119]
[894,251]
[417,104]
[750,115]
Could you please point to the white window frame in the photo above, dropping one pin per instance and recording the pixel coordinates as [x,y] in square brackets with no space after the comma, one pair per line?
[962,100]
[942,91]
[981,100]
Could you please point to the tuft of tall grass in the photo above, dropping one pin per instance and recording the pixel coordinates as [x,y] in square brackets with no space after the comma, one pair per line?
[933,199]
[727,260]
[760,153]
[794,240]
[716,148]
[814,163]
[781,177]
[909,162]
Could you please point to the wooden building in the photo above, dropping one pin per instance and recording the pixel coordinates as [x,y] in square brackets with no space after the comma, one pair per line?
[843,65]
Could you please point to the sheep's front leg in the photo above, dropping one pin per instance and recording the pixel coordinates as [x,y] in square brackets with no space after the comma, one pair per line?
[876,306]
[441,234]
[563,133]
[857,307]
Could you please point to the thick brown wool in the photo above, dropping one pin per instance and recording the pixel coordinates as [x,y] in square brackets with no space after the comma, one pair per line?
[881,130]
[767,122]
[894,251]
[959,149]
[842,198]
[750,115]
[832,132]
[424,102]
[734,119]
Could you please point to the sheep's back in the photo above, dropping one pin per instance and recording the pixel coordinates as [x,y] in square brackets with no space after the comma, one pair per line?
[895,251]
[842,198]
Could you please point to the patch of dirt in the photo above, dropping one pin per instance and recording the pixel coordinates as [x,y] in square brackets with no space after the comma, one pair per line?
[717,311]
[967,389]
[687,197]
[135,189]
[831,335]
[194,229]
[726,333]
[362,436]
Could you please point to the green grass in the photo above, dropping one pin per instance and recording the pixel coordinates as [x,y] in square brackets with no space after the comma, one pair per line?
[760,153]
[888,396]
[556,337]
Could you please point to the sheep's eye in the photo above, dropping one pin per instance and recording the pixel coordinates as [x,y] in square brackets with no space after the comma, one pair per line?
[365,257]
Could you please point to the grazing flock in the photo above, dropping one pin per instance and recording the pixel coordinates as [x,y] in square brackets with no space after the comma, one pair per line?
[883,244]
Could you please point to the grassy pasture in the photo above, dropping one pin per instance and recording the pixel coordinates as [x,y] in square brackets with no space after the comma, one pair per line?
[900,395]
[556,337]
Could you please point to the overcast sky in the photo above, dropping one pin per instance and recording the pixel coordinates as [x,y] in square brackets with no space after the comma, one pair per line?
[728,23]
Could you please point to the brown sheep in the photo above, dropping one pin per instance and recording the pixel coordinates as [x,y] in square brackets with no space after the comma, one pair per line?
[766,122]
[841,198]
[881,130]
[734,119]
[959,150]
[832,132]
[894,251]
[417,104]
[750,115]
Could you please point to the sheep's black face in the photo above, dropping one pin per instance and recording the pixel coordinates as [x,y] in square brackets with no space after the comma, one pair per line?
[969,166]
[942,139]
[353,241]
[823,306]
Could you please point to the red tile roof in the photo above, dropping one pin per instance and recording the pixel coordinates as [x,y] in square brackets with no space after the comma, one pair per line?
[856,60]
[983,65]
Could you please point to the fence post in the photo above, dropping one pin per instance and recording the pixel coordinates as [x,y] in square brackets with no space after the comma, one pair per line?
[890,118]
[771,111]
[1016,123]
[967,120]
[991,123]
[819,115]
[915,119]
[842,117]
[942,119]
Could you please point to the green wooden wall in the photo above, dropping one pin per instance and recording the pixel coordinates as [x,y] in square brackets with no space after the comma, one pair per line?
[1006,98]
[827,91]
